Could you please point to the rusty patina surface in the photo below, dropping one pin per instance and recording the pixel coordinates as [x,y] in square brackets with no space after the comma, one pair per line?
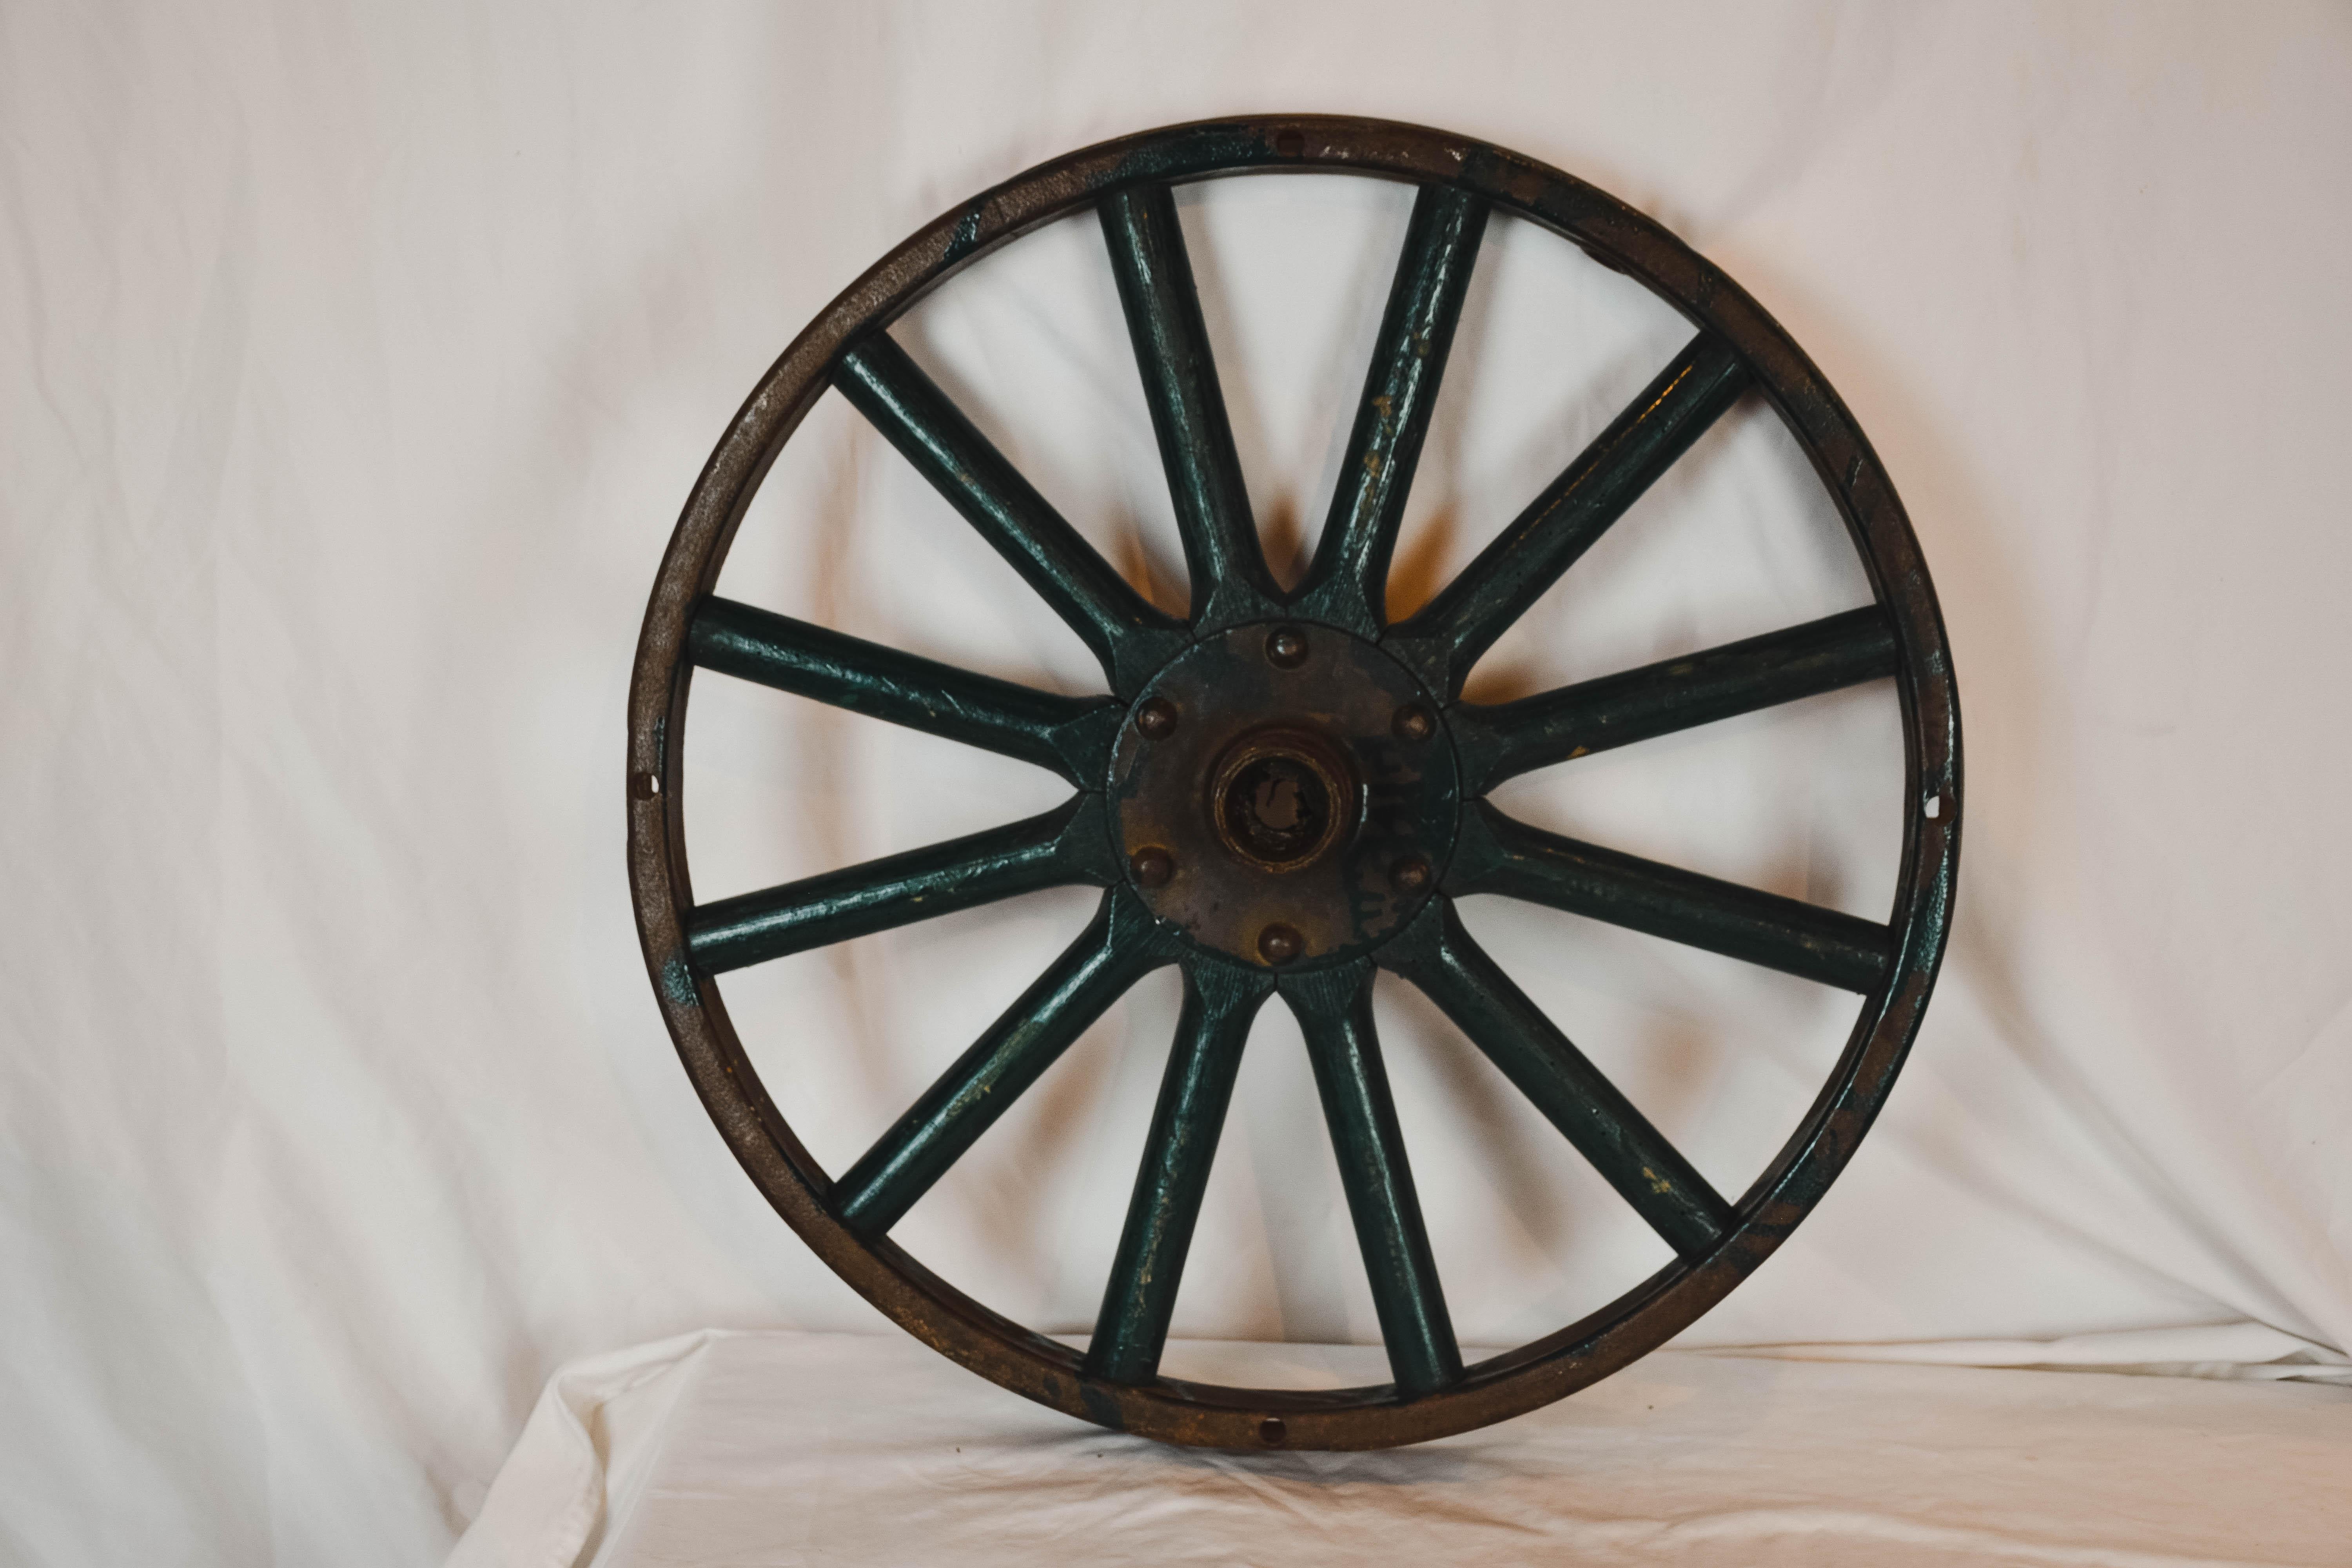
[1316,737]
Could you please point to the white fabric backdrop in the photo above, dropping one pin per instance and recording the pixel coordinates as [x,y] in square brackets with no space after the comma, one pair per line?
[356,359]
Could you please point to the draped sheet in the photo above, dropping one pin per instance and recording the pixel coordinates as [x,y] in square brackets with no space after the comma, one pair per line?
[799,1447]
[357,359]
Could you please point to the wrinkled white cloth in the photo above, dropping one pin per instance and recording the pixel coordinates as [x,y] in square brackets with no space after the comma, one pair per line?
[2253,1351]
[791,1448]
[355,359]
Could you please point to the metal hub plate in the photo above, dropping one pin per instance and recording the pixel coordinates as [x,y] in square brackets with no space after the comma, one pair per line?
[1285,796]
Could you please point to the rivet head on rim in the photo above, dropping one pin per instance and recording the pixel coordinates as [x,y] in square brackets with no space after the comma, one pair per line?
[1279,944]
[1153,865]
[1414,722]
[1286,647]
[1272,1432]
[1410,875]
[1156,719]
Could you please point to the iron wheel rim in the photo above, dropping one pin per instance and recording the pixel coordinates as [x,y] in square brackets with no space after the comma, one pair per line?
[1572,1357]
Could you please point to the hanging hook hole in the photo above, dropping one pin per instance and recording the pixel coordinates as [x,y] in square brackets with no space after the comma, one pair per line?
[645,786]
[1938,806]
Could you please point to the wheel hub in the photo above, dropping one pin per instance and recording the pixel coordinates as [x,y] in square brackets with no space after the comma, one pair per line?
[1284,793]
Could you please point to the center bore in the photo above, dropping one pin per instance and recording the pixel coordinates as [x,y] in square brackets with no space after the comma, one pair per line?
[1280,799]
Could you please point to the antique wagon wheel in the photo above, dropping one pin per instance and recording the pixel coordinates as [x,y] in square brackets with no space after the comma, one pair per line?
[1285,791]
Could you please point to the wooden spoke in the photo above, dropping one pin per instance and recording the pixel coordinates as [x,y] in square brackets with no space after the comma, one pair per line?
[1132,1327]
[1335,1010]
[1453,629]
[1347,582]
[1222,554]
[1500,741]
[1570,1090]
[1093,972]
[1497,855]
[1071,735]
[1126,633]
[1062,845]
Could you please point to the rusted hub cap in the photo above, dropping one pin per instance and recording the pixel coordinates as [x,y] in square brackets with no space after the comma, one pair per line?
[1281,799]
[1270,802]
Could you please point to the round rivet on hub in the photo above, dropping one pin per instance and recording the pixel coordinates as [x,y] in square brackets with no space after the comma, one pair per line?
[1410,875]
[1286,647]
[1153,865]
[1156,719]
[1280,944]
[1414,722]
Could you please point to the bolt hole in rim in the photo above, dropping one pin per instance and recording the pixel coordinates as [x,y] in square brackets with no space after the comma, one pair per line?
[1380,683]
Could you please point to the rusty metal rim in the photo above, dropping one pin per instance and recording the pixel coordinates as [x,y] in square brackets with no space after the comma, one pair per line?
[1536,1374]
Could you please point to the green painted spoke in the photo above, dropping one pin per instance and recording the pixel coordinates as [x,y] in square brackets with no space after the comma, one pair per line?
[1347,582]
[1497,855]
[1132,1327]
[1126,633]
[1513,1032]
[1114,952]
[1064,846]
[1222,554]
[1500,741]
[1335,1010]
[1453,629]
[1071,735]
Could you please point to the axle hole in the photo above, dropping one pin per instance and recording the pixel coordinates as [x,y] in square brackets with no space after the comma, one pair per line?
[1279,809]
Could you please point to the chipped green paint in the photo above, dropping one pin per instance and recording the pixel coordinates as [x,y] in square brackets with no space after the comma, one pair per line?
[1220,1001]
